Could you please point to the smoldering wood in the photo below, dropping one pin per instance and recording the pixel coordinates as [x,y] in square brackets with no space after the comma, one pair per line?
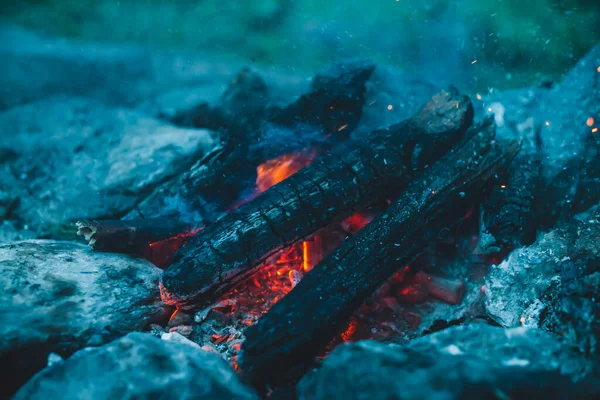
[300,325]
[349,178]
[129,236]
[509,213]
[213,183]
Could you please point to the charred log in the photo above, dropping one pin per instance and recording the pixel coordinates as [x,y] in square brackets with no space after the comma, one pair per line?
[300,325]
[129,236]
[508,217]
[334,104]
[351,177]
[216,181]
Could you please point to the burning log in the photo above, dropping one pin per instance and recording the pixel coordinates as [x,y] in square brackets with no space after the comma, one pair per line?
[129,236]
[509,217]
[332,108]
[299,326]
[349,178]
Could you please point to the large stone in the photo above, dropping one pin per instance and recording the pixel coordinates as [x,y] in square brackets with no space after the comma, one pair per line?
[138,366]
[61,296]
[553,284]
[472,361]
[67,158]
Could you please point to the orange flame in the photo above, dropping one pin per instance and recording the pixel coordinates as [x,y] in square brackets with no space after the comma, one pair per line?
[276,170]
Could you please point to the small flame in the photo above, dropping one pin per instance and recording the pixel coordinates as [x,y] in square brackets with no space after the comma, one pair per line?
[276,170]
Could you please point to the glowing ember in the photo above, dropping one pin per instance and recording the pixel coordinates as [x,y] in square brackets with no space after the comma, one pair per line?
[590,122]
[161,253]
[274,171]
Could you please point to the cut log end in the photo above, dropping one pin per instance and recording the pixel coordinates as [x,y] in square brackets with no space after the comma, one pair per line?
[446,111]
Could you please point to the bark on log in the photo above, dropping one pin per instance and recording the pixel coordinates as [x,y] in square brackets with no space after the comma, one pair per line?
[216,181]
[331,188]
[508,217]
[129,236]
[300,325]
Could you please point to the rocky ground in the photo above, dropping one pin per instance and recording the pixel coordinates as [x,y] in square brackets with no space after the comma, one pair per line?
[86,132]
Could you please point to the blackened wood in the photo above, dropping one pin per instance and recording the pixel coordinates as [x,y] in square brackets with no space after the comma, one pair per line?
[508,217]
[214,182]
[509,213]
[334,104]
[331,188]
[129,236]
[300,325]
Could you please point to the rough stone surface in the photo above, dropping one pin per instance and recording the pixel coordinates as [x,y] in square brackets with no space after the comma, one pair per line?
[60,297]
[63,159]
[138,366]
[471,361]
[552,284]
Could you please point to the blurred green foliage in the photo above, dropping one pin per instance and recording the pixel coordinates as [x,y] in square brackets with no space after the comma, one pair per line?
[514,41]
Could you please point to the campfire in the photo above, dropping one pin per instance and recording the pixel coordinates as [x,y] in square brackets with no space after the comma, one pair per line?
[302,238]
[318,252]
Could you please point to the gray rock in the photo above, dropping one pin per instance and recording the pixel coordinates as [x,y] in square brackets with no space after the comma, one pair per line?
[471,361]
[58,297]
[552,284]
[69,158]
[138,366]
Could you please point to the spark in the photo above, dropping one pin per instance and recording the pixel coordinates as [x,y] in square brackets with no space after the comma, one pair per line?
[503,186]
[522,319]
[598,69]
[478,96]
[341,128]
[547,123]
[305,265]
[590,121]
[474,61]
[594,130]
[389,107]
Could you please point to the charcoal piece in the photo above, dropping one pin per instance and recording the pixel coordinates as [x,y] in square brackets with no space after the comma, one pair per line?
[334,103]
[299,326]
[330,189]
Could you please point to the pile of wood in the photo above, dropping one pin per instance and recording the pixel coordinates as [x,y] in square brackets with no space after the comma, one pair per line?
[433,167]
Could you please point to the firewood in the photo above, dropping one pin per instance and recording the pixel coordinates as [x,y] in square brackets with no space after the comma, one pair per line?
[300,325]
[509,218]
[349,178]
[216,181]
[129,236]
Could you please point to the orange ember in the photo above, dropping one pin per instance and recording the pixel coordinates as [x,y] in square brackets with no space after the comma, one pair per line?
[276,170]
[161,253]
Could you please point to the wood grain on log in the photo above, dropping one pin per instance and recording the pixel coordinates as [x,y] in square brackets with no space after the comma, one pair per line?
[216,181]
[300,325]
[350,177]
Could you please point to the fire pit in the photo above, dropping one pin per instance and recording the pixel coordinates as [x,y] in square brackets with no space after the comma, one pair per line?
[295,250]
